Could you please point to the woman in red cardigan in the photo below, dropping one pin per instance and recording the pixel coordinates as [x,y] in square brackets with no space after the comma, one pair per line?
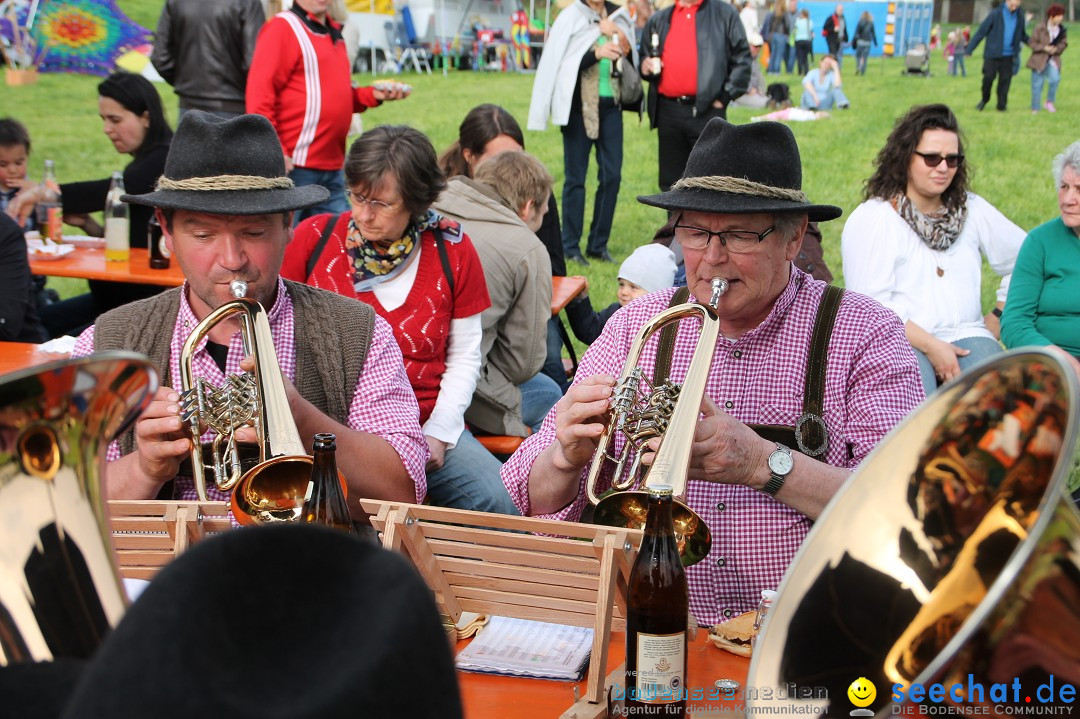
[421,273]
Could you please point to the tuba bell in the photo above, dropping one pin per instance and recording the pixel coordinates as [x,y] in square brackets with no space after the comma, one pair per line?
[60,589]
[642,409]
[951,556]
[272,490]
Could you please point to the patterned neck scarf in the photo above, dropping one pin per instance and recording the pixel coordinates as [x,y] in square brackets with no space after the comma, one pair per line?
[939,229]
[373,266]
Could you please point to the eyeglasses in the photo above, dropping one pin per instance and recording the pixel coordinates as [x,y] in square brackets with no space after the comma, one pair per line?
[934,159]
[736,241]
[358,200]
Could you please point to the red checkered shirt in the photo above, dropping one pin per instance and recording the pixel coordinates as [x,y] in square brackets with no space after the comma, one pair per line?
[872,382]
[383,403]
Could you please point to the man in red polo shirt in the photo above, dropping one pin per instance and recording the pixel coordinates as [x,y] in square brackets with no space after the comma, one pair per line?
[697,61]
[301,81]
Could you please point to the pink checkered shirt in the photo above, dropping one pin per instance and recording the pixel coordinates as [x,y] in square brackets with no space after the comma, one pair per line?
[872,382]
[383,402]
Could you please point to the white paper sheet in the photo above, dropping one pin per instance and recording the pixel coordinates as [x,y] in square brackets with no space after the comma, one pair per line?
[520,647]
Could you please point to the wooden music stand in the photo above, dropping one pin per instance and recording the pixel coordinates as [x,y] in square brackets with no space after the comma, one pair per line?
[149,534]
[521,567]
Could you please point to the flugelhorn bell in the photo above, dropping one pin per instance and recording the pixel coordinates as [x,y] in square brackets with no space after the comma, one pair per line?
[274,489]
[60,588]
[641,411]
[951,556]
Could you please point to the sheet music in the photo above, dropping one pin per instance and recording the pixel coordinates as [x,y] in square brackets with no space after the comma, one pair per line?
[519,647]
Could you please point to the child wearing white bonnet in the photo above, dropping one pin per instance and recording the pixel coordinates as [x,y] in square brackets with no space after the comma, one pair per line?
[649,268]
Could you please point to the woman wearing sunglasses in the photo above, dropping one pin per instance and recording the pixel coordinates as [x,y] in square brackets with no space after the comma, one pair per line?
[916,245]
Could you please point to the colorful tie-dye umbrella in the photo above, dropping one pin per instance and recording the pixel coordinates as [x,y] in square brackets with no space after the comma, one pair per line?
[84,36]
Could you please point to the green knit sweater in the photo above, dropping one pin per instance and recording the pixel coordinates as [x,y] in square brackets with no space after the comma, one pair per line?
[1043,306]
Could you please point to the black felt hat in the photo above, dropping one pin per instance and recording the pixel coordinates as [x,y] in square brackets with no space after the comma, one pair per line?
[289,621]
[742,169]
[229,166]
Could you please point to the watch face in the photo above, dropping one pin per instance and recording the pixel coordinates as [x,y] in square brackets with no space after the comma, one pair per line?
[780,462]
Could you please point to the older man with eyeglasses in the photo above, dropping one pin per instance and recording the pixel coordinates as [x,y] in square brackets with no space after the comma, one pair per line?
[805,378]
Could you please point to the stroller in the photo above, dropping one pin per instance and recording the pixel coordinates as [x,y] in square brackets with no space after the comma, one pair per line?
[917,59]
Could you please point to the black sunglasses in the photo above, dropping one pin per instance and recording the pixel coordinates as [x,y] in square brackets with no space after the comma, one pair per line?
[934,159]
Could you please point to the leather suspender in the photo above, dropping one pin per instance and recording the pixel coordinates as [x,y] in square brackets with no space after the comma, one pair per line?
[667,339]
[811,434]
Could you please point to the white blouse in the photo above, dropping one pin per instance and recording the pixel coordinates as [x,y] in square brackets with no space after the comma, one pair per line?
[939,290]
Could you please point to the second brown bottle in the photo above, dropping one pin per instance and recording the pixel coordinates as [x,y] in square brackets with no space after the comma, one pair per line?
[324,502]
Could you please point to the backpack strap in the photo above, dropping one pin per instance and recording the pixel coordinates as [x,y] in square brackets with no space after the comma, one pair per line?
[317,252]
[444,258]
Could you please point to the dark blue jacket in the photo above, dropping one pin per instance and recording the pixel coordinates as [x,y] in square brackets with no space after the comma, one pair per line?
[993,29]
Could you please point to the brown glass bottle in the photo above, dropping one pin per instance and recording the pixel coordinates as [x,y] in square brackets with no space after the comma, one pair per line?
[325,502]
[155,243]
[657,608]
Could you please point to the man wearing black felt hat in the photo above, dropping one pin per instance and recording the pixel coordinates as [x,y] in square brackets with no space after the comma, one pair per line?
[805,378]
[225,205]
[282,622]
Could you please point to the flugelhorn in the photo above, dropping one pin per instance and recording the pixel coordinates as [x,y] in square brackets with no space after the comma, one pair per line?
[60,590]
[642,411]
[273,490]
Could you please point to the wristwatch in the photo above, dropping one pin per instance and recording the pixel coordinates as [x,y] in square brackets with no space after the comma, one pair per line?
[780,465]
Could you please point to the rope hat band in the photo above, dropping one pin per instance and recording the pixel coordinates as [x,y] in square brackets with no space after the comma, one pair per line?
[739,186]
[225,182]
[742,170]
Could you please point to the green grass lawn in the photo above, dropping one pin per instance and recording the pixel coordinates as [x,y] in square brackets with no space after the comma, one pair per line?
[1010,152]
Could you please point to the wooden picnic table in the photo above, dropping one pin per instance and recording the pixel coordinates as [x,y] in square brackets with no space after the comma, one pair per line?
[564,289]
[90,264]
[20,355]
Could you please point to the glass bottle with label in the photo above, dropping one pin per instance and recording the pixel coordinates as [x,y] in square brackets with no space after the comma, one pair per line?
[657,608]
[616,65]
[763,607]
[117,222]
[654,51]
[50,211]
[325,501]
[155,242]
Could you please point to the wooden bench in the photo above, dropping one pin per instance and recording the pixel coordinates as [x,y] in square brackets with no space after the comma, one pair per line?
[500,445]
[149,534]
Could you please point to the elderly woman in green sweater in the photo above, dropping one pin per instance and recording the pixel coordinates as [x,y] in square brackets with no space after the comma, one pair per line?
[1042,307]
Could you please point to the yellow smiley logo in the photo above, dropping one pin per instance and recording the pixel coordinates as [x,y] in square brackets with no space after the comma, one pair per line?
[862,692]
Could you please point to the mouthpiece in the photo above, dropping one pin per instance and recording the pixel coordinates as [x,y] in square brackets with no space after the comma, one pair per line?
[239,288]
[719,287]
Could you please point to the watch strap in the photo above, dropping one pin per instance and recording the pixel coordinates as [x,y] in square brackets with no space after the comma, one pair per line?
[773,485]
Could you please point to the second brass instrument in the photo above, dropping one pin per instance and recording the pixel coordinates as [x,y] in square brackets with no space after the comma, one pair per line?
[667,410]
[60,588]
[273,490]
